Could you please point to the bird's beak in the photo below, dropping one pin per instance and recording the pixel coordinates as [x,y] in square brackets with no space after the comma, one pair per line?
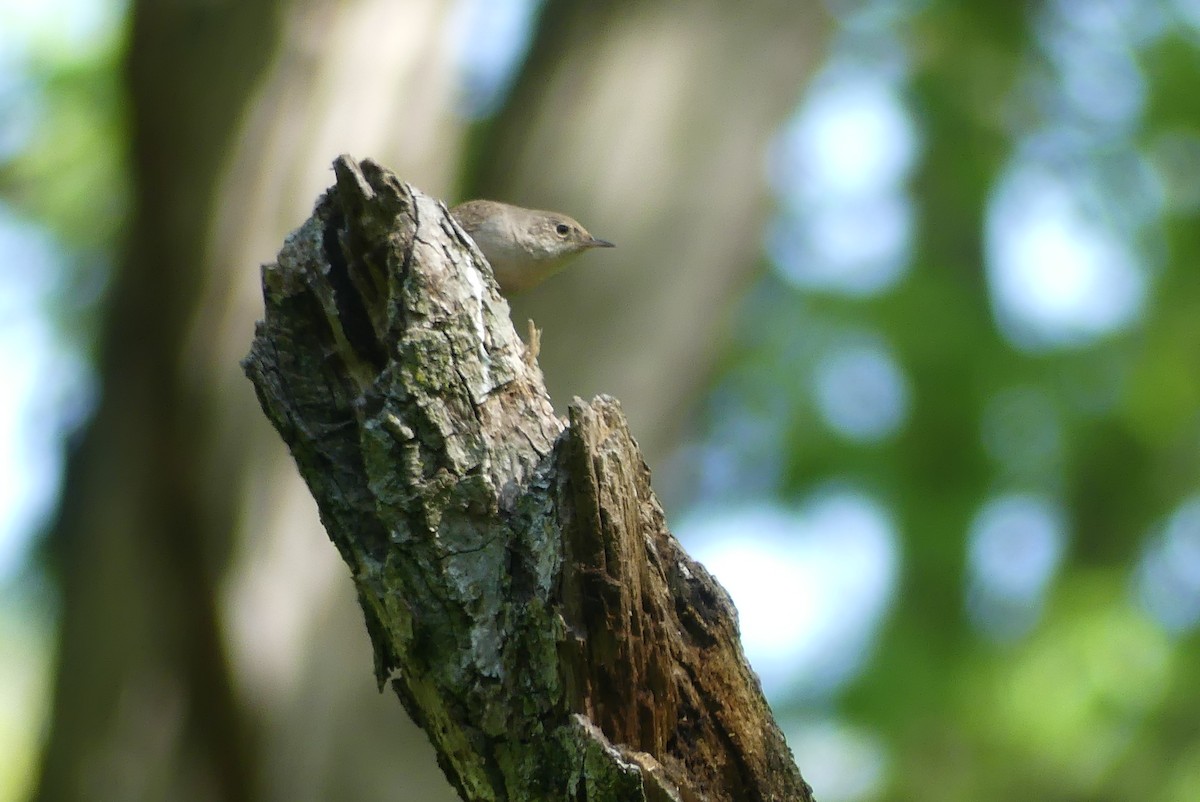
[601,243]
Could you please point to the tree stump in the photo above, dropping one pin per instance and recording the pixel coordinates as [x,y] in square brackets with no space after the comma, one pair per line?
[521,590]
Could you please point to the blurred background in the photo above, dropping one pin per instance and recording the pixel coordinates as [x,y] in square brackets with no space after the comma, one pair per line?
[905,314]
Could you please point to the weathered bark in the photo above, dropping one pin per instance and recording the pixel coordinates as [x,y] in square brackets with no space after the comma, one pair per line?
[521,590]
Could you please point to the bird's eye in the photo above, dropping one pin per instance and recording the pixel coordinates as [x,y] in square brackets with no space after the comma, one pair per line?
[563,229]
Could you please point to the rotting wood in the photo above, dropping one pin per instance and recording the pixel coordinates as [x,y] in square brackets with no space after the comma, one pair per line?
[522,592]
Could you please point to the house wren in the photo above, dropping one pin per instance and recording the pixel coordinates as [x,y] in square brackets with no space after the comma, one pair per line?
[523,246]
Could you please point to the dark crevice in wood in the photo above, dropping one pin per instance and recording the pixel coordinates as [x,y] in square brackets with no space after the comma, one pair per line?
[521,590]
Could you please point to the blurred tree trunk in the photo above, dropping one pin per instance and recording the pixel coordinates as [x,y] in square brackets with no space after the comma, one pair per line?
[650,123]
[211,647]
[195,663]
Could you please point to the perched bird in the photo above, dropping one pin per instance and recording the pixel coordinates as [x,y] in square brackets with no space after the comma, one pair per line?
[523,246]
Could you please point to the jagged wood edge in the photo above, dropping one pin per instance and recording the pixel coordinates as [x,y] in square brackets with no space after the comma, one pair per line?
[520,587]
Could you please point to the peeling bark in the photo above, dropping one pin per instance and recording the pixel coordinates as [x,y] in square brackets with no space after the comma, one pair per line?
[523,595]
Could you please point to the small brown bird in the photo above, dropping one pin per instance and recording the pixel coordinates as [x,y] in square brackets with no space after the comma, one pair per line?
[523,246]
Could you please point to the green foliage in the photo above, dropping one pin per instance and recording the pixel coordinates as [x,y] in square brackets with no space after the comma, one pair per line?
[1081,701]
[65,166]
